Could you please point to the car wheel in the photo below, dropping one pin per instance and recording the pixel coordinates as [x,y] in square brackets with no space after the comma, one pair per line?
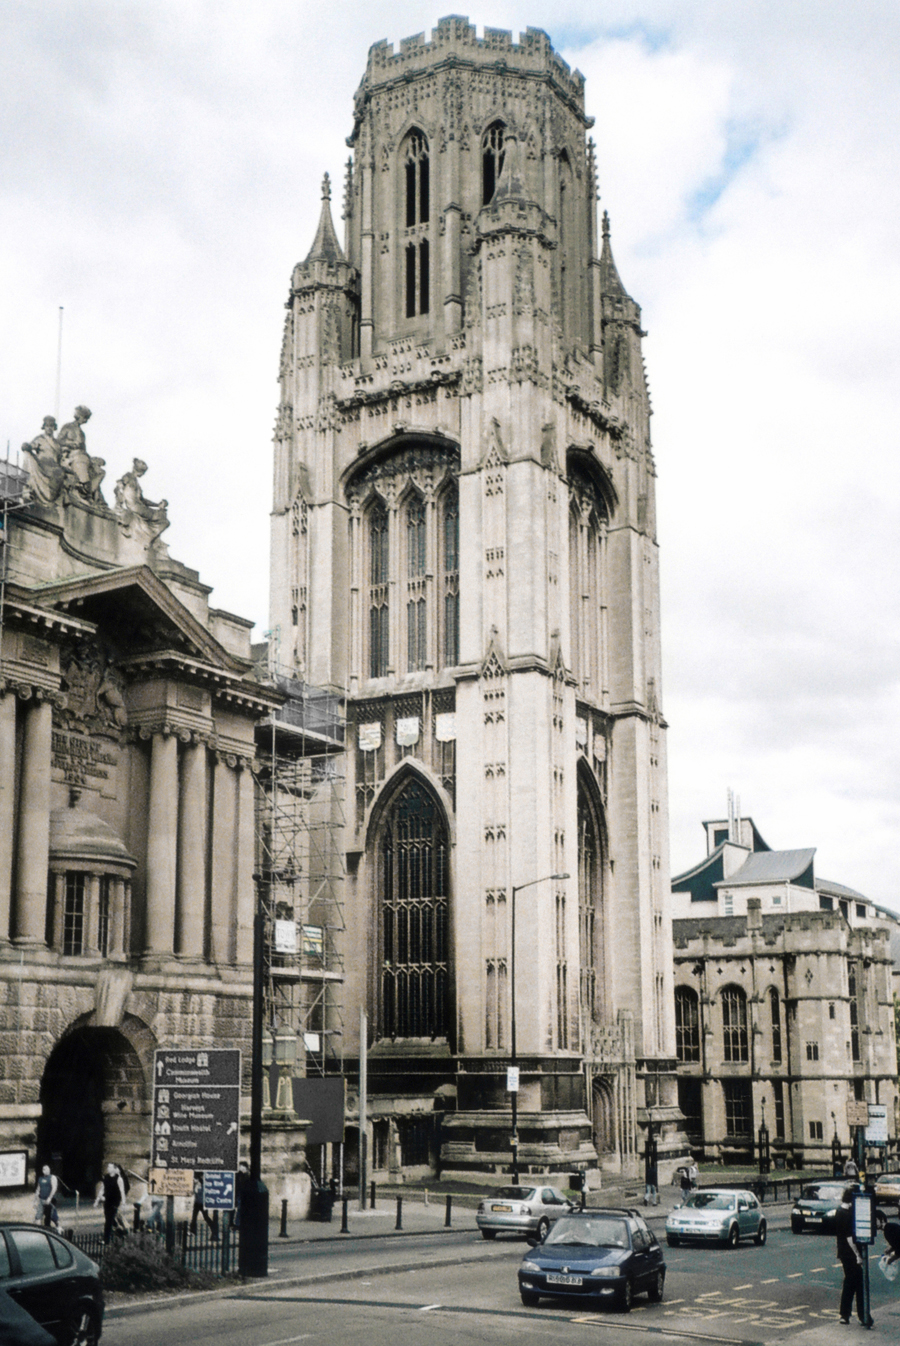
[657,1285]
[82,1329]
[626,1297]
[530,1299]
[488,1233]
[734,1236]
[796,1226]
[543,1228]
[759,1237]
[673,1240]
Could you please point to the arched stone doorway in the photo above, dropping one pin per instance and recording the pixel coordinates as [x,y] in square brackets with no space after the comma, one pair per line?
[93,1107]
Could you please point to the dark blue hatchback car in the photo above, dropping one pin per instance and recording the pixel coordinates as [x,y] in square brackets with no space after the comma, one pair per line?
[602,1255]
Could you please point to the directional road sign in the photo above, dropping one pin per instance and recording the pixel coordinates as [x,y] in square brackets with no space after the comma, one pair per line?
[197,1108]
[218,1191]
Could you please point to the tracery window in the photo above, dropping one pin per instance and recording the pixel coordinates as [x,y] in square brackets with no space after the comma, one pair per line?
[587,541]
[379,573]
[734,1024]
[416,217]
[414,908]
[491,160]
[450,583]
[687,1025]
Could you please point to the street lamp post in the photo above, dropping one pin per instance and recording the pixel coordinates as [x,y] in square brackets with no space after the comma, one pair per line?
[513,1081]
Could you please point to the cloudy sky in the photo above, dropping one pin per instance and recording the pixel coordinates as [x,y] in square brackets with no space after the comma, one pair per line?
[159,177]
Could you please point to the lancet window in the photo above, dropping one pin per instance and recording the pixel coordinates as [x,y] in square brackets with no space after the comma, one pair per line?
[687,1024]
[414,910]
[587,555]
[450,576]
[416,567]
[590,892]
[416,217]
[491,160]
[379,574]
[734,1024]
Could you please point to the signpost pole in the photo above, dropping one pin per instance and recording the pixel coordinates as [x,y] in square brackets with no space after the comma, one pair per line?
[253,1251]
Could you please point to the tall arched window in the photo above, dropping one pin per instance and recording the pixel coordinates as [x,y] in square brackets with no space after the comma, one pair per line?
[450,582]
[734,1024]
[379,573]
[775,1011]
[491,160]
[416,566]
[687,1024]
[414,904]
[587,540]
[589,934]
[416,216]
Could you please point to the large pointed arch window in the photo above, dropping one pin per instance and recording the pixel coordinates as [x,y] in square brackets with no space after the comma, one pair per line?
[734,1024]
[414,908]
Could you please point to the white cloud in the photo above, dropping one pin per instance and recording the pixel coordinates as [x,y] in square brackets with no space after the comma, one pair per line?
[161,176]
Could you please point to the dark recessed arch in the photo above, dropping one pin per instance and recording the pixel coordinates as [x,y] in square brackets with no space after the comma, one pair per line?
[403,452]
[583,463]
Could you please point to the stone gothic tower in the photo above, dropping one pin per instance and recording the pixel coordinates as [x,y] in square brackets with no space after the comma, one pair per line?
[463,546]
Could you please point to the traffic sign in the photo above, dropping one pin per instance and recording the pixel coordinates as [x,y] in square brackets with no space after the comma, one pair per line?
[196,1108]
[877,1124]
[218,1191]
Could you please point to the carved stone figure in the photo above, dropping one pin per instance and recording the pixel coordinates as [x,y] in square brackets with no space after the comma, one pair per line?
[94,698]
[83,473]
[46,476]
[139,517]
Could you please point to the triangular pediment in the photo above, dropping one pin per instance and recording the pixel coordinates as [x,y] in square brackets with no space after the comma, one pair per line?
[141,613]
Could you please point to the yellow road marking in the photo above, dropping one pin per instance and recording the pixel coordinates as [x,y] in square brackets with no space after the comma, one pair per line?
[795,1275]
[773,1280]
[748,1286]
[818,1269]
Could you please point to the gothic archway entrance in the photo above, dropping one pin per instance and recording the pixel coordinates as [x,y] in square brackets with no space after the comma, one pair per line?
[92,1107]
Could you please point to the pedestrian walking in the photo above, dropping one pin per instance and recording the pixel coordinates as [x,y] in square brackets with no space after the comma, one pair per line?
[850,1259]
[45,1197]
[199,1209]
[241,1179]
[112,1193]
[851,1172]
[693,1174]
[684,1173]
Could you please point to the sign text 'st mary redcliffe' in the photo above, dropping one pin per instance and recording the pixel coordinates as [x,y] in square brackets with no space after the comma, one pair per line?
[196,1109]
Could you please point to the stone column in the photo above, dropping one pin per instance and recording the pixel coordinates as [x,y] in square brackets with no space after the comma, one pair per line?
[162,831]
[245,888]
[7,807]
[34,826]
[224,850]
[191,899]
[90,942]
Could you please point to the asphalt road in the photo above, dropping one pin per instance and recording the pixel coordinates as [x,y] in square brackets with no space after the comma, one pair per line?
[454,1288]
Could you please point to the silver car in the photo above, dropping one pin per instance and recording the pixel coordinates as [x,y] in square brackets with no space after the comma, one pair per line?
[521,1210]
[717,1215]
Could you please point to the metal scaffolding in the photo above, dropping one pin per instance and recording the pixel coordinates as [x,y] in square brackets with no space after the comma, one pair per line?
[300,873]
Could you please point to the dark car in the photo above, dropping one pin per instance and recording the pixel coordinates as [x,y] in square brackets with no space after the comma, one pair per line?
[817,1206]
[54,1281]
[601,1255]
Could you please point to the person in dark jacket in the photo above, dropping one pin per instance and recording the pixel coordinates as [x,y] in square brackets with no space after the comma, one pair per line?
[851,1260]
[112,1194]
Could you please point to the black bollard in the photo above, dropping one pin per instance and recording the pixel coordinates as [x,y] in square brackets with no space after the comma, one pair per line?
[137,1217]
[345,1228]
[372,1205]
[399,1224]
[448,1210]
[282,1233]
[253,1245]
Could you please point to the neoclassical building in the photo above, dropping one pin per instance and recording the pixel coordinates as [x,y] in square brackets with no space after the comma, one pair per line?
[127,716]
[464,549]
[784,1006]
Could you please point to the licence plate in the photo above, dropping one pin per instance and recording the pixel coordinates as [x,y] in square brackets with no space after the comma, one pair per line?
[814,1219]
[554,1278]
[508,1209]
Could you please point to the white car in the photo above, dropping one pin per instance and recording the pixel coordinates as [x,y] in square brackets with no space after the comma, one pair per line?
[717,1215]
[521,1210]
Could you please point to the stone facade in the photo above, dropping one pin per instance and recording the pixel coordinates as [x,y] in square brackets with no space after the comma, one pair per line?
[463,547]
[127,716]
[783,999]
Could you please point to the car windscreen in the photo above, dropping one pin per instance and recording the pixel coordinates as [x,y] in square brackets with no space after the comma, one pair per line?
[514,1193]
[820,1191]
[600,1232]
[710,1201]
